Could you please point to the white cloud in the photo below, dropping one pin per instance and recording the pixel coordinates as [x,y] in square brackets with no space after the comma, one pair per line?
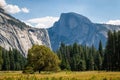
[2,3]
[28,23]
[12,9]
[44,22]
[25,10]
[114,22]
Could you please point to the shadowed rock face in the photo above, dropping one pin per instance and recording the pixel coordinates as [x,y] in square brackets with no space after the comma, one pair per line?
[73,27]
[16,34]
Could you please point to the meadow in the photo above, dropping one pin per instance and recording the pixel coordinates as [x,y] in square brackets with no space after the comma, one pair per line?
[63,75]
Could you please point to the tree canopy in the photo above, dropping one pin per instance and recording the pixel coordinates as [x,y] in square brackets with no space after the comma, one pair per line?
[112,53]
[76,57]
[41,58]
[11,60]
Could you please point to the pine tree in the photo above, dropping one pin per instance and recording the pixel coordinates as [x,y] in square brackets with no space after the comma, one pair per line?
[112,54]
[100,49]
[118,54]
[82,65]
[12,61]
[1,59]
[78,58]
[6,60]
[90,63]
[107,63]
[98,61]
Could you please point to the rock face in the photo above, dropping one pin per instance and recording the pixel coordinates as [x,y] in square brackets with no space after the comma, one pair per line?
[16,34]
[73,27]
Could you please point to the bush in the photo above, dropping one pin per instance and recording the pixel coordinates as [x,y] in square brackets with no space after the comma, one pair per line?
[28,69]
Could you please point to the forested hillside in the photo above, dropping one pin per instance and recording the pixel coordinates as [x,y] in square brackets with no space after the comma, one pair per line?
[80,58]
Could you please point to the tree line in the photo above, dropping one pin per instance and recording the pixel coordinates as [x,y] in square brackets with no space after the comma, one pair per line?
[11,60]
[80,58]
[73,57]
[112,52]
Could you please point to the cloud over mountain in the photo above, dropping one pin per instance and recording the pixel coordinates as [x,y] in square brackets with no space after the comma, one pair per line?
[2,3]
[114,22]
[44,22]
[12,9]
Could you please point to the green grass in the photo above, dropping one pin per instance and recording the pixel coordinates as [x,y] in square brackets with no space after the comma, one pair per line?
[65,75]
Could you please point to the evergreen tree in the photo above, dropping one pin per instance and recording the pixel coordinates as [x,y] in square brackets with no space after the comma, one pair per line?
[118,53]
[1,59]
[90,63]
[76,57]
[108,52]
[82,65]
[6,61]
[12,61]
[98,61]
[112,54]
[101,49]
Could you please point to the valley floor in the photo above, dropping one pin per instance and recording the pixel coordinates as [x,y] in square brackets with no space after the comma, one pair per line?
[64,75]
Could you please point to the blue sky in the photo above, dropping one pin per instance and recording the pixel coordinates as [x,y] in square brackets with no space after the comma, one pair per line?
[96,10]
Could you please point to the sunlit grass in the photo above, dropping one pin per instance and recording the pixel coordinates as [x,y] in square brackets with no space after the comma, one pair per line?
[63,75]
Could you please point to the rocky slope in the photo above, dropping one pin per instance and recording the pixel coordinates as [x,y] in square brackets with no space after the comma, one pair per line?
[16,34]
[73,27]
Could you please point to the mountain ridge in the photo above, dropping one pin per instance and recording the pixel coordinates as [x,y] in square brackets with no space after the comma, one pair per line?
[73,27]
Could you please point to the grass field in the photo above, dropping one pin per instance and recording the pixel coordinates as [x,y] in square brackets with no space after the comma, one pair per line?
[66,75]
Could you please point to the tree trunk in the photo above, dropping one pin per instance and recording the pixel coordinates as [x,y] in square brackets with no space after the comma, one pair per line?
[39,71]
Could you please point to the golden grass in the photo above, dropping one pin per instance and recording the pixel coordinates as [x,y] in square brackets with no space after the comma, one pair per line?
[63,75]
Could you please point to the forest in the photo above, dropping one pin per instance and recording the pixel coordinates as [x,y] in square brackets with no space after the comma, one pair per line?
[73,57]
[11,60]
[81,58]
